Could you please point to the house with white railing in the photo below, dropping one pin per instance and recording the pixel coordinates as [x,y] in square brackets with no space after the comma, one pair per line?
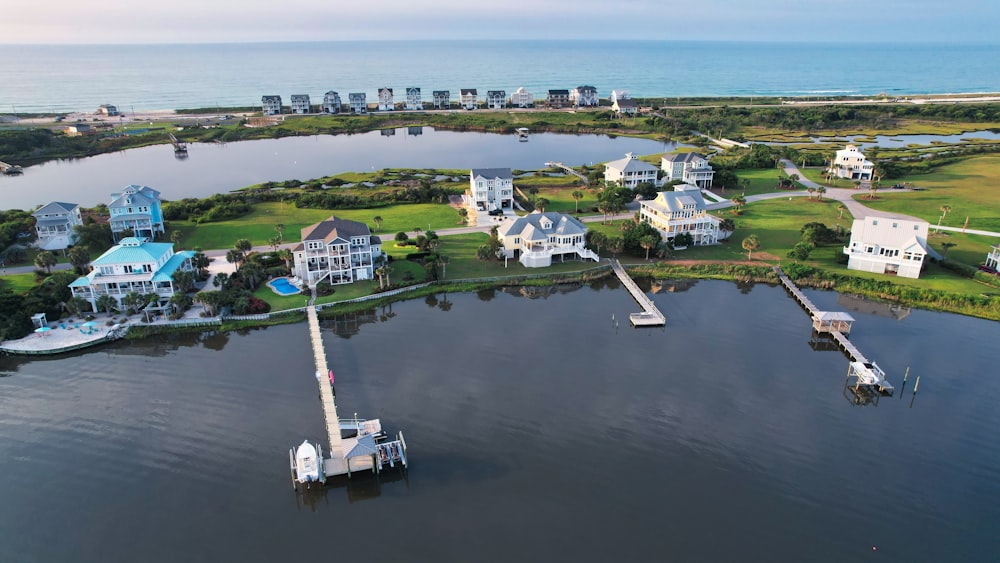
[357,102]
[413,101]
[336,251]
[496,99]
[441,99]
[536,238]
[300,103]
[522,98]
[331,102]
[385,102]
[468,98]
[630,171]
[624,107]
[557,98]
[55,223]
[993,258]
[270,105]
[689,167]
[584,96]
[134,265]
[136,209]
[491,188]
[850,163]
[681,211]
[884,245]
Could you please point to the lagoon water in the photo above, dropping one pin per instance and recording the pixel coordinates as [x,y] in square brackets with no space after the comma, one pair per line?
[51,78]
[538,430]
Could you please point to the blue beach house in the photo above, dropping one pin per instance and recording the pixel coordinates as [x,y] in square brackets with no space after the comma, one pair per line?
[136,208]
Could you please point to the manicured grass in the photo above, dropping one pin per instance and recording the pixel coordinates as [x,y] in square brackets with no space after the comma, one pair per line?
[777,223]
[762,181]
[461,250]
[281,302]
[258,226]
[561,199]
[816,175]
[18,283]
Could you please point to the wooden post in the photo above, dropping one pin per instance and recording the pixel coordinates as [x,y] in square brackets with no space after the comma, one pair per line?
[915,385]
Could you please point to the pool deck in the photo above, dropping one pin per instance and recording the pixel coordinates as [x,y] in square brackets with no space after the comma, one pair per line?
[270,284]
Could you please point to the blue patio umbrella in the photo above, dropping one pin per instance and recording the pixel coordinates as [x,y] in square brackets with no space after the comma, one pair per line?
[43,329]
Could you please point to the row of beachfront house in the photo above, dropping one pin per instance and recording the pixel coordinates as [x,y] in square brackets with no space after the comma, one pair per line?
[136,210]
[468,98]
[689,168]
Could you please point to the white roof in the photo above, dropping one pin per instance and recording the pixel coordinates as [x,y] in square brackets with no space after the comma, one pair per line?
[891,233]
[834,316]
[630,163]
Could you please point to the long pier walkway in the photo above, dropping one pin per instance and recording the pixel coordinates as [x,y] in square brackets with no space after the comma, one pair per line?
[336,465]
[586,182]
[650,315]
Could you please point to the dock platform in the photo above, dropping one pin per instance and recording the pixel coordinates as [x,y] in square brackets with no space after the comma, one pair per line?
[650,315]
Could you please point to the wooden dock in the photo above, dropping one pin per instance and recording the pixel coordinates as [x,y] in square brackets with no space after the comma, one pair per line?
[650,315]
[336,465]
[583,178]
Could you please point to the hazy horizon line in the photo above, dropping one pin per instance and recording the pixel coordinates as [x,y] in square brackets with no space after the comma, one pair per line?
[507,40]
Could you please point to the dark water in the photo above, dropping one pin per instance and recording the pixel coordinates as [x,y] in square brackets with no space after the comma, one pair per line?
[217,168]
[537,431]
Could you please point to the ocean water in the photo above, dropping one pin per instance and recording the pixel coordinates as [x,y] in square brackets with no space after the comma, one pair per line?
[150,77]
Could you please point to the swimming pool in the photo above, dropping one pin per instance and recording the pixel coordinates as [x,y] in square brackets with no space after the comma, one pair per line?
[282,286]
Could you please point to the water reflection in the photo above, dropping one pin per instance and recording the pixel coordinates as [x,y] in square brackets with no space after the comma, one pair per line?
[357,488]
[860,304]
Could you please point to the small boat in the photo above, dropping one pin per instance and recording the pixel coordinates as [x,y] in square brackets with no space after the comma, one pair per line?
[306,463]
[522,134]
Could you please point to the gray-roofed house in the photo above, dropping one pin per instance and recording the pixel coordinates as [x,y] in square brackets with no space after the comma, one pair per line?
[468,98]
[357,102]
[496,99]
[688,167]
[491,188]
[522,98]
[385,102]
[413,101]
[888,246]
[441,99]
[107,109]
[584,96]
[136,208]
[133,265]
[54,223]
[681,211]
[557,98]
[630,171]
[331,102]
[624,106]
[537,237]
[336,251]
[270,105]
[300,103]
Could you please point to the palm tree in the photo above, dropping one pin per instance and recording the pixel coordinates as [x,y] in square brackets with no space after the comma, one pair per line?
[597,240]
[944,213]
[727,226]
[234,256]
[443,260]
[274,241]
[616,245]
[280,229]
[79,257]
[378,221]
[648,242]
[746,184]
[106,303]
[821,190]
[541,203]
[872,188]
[750,244]
[577,196]
[811,191]
[176,236]
[285,255]
[739,201]
[945,246]
[46,260]
[841,208]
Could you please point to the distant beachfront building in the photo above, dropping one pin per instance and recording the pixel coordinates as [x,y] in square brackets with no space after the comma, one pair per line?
[300,103]
[618,95]
[888,246]
[336,251]
[682,211]
[491,188]
[468,98]
[136,208]
[385,99]
[537,237]
[851,164]
[271,105]
[413,99]
[442,99]
[629,171]
[357,102]
[496,99]
[557,98]
[331,102]
[107,109]
[522,98]
[584,96]
[55,223]
[690,168]
[993,258]
[133,265]
[624,107]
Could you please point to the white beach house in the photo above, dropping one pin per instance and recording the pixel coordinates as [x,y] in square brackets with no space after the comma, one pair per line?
[888,246]
[336,251]
[331,102]
[491,188]
[270,105]
[413,101]
[385,102]
[54,224]
[690,168]
[301,104]
[681,211]
[357,102]
[850,163]
[522,98]
[468,98]
[630,171]
[584,96]
[536,238]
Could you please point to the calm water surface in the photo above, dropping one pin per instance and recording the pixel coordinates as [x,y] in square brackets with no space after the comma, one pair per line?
[538,430]
[216,168]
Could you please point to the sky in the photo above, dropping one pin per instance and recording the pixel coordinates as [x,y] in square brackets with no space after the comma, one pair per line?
[224,21]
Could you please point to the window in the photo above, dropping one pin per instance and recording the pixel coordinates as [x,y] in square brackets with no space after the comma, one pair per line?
[127,268]
[147,268]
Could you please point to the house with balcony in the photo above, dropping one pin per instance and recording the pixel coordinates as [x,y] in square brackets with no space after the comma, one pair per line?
[522,98]
[336,251]
[624,107]
[108,110]
[630,172]
[689,167]
[357,102]
[55,223]
[557,99]
[584,96]
[536,238]
[850,163]
[884,245]
[468,98]
[496,99]
[300,103]
[385,102]
[270,105]
[413,101]
[491,188]
[681,211]
[136,209]
[331,102]
[133,265]
[993,258]
[441,99]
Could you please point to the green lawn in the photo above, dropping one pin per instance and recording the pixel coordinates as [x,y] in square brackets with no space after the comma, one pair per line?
[258,226]
[762,181]
[18,283]
[561,199]
[461,250]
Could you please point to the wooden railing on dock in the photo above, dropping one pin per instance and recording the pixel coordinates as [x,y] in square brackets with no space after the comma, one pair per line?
[336,465]
[650,315]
